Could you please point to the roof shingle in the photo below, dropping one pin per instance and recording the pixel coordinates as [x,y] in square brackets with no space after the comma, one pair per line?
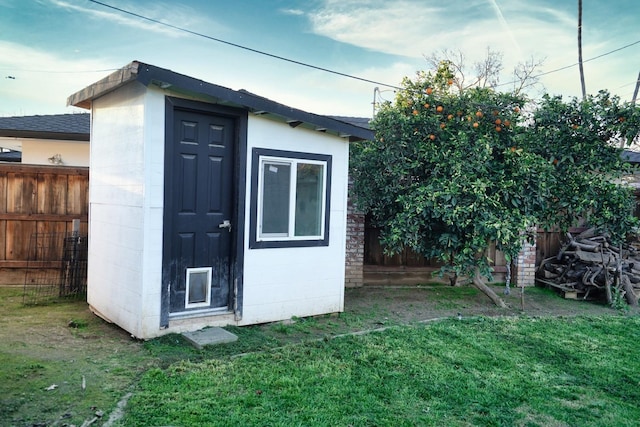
[53,126]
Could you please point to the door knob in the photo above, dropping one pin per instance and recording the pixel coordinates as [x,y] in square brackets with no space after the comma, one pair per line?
[225,224]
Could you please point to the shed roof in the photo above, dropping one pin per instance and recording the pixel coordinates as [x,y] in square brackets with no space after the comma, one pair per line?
[73,127]
[167,79]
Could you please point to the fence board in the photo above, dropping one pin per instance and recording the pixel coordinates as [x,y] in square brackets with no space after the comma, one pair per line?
[78,190]
[52,194]
[38,198]
[3,240]
[18,235]
[51,227]
[3,191]
[22,187]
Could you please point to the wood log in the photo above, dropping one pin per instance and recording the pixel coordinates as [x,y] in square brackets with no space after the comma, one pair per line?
[590,261]
[585,246]
[596,258]
[630,296]
[587,234]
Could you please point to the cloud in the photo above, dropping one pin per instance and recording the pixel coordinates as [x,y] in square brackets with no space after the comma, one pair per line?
[295,12]
[180,15]
[414,28]
[38,73]
[519,30]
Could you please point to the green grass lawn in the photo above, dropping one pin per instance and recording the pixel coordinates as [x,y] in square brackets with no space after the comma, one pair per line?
[528,371]
[580,371]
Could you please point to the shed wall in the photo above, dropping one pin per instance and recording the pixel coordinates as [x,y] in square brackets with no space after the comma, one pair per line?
[125,235]
[283,282]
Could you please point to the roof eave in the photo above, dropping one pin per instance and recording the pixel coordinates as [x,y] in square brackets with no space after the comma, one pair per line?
[113,81]
[33,134]
[169,80]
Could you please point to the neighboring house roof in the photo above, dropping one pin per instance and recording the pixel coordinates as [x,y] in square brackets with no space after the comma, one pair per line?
[167,79]
[74,127]
[362,122]
[631,156]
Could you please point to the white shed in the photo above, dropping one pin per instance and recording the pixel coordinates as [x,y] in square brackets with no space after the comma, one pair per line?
[210,206]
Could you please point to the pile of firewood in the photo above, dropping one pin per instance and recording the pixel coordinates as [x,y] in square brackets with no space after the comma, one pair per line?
[589,265]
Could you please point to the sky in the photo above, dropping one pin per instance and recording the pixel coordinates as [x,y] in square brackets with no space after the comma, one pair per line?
[49,49]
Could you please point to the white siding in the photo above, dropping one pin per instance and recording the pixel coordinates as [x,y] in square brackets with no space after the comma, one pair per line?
[283,282]
[125,208]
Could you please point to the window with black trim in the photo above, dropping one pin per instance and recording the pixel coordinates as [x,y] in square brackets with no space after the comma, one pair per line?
[289,199]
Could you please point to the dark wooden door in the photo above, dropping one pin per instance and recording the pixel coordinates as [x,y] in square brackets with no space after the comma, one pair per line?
[197,229]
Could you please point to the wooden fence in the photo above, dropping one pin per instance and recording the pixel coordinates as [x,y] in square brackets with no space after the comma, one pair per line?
[408,267]
[37,199]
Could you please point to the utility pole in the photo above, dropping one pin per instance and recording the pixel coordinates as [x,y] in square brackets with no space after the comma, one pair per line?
[584,89]
[635,92]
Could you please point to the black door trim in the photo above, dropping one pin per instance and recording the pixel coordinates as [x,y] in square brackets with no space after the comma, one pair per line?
[240,188]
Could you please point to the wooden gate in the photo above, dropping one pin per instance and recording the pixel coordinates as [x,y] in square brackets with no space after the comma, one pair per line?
[37,199]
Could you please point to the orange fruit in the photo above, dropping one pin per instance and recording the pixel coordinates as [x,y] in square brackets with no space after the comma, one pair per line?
[495,112]
[498,121]
[506,123]
[432,137]
[516,109]
[498,129]
[450,82]
[442,125]
[439,108]
[426,105]
[621,119]
[415,112]
[479,114]
[429,91]
[475,124]
[450,117]
[513,149]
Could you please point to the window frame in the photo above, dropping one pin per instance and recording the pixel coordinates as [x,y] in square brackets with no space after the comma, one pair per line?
[258,157]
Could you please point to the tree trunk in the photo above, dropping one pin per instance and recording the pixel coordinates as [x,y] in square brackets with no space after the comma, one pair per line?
[635,91]
[453,279]
[478,282]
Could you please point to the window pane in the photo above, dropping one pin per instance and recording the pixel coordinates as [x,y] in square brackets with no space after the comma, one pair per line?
[275,198]
[309,185]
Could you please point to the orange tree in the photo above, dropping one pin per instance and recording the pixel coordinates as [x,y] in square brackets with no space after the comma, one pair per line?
[448,173]
[582,139]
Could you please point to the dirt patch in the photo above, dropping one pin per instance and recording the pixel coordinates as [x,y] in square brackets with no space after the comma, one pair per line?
[60,364]
[416,303]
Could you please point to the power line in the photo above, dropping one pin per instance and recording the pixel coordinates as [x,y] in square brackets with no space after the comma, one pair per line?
[58,71]
[293,61]
[575,64]
[282,58]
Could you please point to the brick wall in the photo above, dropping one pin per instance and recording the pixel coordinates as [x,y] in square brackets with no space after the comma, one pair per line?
[355,247]
[526,266]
